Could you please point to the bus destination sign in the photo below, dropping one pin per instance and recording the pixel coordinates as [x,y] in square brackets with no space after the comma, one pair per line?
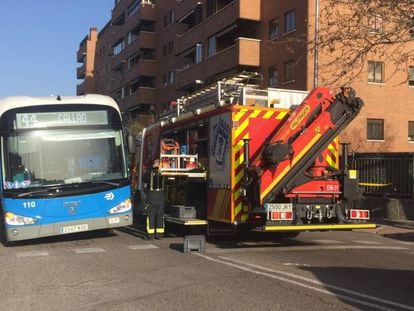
[56,119]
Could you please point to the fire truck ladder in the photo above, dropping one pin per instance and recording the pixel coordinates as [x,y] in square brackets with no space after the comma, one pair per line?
[227,91]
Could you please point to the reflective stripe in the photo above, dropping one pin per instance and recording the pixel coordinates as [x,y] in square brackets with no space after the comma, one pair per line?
[319,227]
[160,230]
[149,230]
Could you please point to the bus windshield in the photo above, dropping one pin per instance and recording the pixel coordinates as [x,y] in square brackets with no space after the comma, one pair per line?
[40,158]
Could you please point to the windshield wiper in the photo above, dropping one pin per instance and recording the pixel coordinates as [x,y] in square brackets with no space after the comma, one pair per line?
[105,182]
[45,190]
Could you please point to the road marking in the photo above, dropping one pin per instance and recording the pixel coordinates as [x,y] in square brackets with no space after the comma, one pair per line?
[32,254]
[326,241]
[236,264]
[139,247]
[366,242]
[405,242]
[89,250]
[295,264]
[301,248]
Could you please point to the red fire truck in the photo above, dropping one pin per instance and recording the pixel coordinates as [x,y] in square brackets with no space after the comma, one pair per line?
[234,155]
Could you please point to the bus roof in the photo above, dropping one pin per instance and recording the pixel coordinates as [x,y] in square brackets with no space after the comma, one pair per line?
[13,102]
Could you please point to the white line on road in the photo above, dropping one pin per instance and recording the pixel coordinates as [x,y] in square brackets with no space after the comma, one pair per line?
[226,260]
[366,242]
[89,250]
[301,248]
[32,254]
[405,242]
[139,247]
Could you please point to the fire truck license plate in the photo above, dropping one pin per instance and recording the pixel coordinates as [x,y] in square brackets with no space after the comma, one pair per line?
[280,207]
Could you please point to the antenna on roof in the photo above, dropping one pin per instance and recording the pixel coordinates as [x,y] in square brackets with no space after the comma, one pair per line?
[58,97]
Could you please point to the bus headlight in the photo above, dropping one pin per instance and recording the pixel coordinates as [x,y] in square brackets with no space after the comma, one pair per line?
[18,220]
[121,207]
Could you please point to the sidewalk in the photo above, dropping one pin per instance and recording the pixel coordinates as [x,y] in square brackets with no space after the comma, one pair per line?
[391,227]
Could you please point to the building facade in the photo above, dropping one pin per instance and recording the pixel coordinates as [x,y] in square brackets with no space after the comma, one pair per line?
[152,52]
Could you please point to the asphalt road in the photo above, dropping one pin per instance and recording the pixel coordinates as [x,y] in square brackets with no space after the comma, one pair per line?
[122,271]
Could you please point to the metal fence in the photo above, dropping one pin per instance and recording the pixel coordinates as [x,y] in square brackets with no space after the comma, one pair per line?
[388,174]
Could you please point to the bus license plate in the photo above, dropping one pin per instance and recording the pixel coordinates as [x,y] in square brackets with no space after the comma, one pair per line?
[75,228]
[114,220]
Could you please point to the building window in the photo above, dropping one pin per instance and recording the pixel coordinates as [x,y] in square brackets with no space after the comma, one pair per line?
[171,17]
[118,47]
[171,77]
[199,53]
[290,21]
[411,131]
[133,60]
[375,129]
[411,76]
[133,8]
[375,23]
[211,46]
[170,47]
[375,72]
[273,76]
[288,66]
[273,29]
[164,50]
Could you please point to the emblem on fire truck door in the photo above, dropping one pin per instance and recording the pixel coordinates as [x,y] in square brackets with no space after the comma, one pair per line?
[221,140]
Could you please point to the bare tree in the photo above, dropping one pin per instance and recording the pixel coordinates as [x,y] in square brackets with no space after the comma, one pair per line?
[351,32]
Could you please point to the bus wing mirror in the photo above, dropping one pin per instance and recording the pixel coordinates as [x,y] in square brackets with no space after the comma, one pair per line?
[131,144]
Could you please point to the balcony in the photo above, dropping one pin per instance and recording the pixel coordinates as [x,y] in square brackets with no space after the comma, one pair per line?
[245,52]
[144,95]
[143,68]
[80,55]
[80,72]
[145,12]
[145,40]
[240,12]
[80,88]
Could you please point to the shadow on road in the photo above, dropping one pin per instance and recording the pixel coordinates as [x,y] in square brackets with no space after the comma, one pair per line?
[401,236]
[383,286]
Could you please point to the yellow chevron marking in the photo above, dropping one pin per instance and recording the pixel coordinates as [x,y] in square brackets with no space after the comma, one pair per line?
[287,168]
[255,113]
[330,161]
[268,114]
[238,209]
[239,176]
[244,217]
[240,114]
[241,128]
[332,149]
[281,115]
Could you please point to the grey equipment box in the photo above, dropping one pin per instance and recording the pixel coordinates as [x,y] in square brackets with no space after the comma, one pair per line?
[183,212]
[194,243]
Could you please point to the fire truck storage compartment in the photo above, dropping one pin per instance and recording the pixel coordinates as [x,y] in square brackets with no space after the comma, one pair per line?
[183,212]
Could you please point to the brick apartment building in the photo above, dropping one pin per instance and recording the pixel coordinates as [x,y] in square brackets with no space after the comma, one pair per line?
[152,52]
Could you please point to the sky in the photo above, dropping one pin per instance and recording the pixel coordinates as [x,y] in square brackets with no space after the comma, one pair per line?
[39,42]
